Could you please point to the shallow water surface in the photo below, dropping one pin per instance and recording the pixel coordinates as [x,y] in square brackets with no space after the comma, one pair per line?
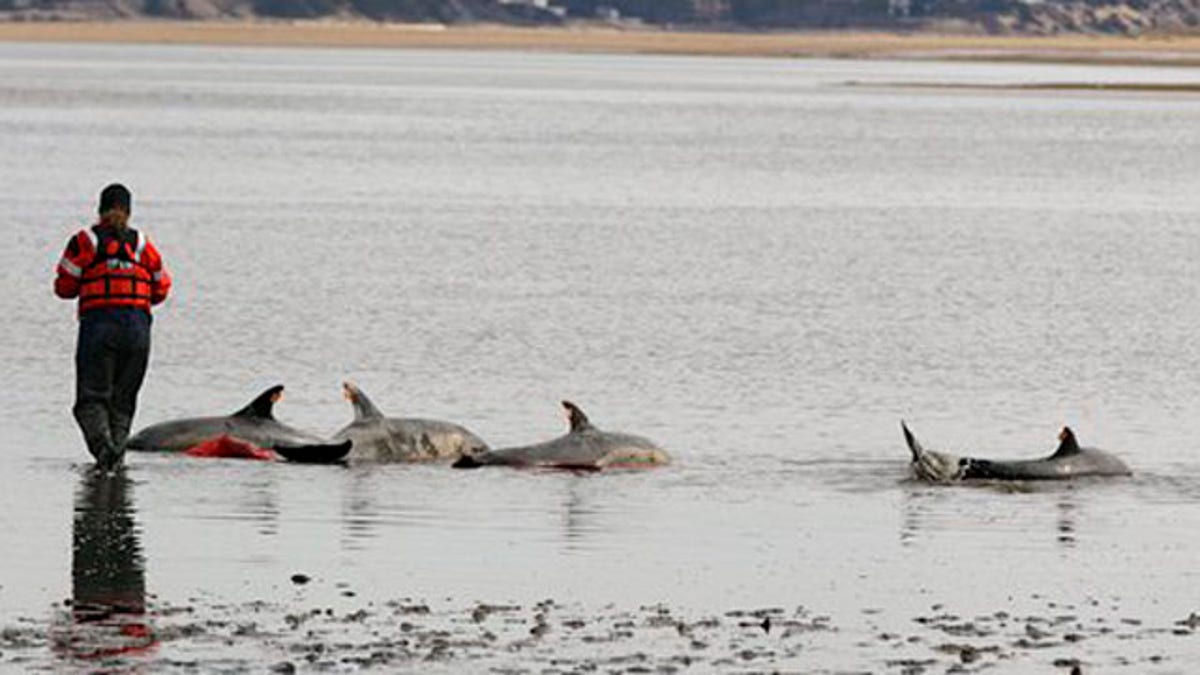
[749,261]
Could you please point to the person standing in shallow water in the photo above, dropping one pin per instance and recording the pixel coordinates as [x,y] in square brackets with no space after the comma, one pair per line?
[117,275]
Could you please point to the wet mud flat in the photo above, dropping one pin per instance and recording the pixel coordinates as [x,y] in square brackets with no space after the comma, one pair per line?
[414,635]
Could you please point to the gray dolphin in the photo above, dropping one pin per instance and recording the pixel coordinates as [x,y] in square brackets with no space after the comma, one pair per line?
[254,424]
[584,447]
[1068,461]
[392,439]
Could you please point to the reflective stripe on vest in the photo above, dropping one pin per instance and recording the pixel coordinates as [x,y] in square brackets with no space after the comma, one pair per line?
[70,267]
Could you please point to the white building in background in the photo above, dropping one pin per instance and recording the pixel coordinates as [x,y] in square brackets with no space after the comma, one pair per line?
[608,13]
[540,4]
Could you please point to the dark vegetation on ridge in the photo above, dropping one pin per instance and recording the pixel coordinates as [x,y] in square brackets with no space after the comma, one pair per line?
[992,16]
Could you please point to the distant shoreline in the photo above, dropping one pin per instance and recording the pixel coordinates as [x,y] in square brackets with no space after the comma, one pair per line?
[1074,48]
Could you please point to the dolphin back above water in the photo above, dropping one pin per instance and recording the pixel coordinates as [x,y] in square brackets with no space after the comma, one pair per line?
[583,447]
[1068,461]
[254,424]
[391,439]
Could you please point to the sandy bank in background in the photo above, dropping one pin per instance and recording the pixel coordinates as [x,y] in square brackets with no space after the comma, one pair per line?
[1073,48]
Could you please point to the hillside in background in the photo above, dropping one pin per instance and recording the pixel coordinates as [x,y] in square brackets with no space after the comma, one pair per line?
[1130,17]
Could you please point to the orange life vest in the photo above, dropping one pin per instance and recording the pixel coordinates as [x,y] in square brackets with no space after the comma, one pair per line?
[117,275]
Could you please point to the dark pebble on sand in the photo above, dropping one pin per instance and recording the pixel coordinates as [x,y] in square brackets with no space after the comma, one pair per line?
[912,666]
[300,579]
[1035,632]
[283,667]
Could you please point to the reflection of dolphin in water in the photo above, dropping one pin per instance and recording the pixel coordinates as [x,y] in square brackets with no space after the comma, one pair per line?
[1068,461]
[108,610]
[255,424]
[583,447]
[393,439]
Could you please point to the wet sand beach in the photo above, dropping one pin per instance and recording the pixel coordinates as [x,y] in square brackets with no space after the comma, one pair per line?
[1148,50]
[346,633]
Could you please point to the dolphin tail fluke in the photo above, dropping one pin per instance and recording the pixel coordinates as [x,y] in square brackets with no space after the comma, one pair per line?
[330,453]
[930,465]
[914,446]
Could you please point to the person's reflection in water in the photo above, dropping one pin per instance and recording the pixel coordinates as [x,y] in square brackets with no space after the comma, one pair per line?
[108,610]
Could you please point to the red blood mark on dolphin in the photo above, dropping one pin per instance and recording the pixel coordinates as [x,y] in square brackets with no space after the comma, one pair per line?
[228,447]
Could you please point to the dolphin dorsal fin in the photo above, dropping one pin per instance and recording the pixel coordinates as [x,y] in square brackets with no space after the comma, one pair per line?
[363,408]
[913,445]
[576,418]
[1067,445]
[262,406]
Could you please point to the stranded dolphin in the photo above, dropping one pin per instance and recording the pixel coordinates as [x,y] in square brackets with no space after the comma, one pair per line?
[583,447]
[255,424]
[1068,461]
[392,439]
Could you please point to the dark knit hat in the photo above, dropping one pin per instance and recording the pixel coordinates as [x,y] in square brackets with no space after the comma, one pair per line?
[115,195]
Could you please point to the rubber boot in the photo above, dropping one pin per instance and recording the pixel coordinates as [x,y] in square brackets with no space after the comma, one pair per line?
[93,421]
